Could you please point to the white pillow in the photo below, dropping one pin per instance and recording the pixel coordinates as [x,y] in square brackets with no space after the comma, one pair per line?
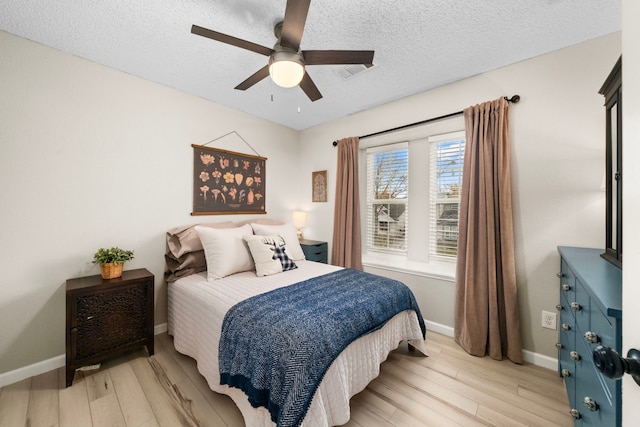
[225,250]
[288,233]
[261,248]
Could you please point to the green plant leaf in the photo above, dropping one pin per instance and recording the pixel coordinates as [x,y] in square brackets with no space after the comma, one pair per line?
[112,255]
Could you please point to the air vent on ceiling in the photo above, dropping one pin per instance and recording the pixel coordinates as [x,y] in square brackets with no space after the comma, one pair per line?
[352,70]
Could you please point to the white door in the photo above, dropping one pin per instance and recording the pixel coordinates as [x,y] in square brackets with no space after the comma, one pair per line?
[631,201]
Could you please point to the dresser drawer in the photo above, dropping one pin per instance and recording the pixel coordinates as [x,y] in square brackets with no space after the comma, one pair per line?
[567,322]
[567,339]
[596,395]
[567,284]
[314,250]
[601,331]
[582,307]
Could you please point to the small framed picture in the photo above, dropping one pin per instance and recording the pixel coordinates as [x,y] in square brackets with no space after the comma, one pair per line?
[319,186]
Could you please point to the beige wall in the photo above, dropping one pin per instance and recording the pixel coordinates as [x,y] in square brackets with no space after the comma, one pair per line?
[558,166]
[93,157]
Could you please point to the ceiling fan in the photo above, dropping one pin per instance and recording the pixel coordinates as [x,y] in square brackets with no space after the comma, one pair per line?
[286,61]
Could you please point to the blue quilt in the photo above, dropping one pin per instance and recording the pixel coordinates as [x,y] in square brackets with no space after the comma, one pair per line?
[277,346]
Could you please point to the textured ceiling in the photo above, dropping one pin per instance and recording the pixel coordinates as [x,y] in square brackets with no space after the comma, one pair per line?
[418,44]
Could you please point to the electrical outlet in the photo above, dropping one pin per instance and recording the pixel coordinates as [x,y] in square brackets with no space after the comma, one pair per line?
[549,320]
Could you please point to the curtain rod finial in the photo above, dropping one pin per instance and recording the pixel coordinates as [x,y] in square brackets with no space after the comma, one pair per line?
[335,143]
[515,99]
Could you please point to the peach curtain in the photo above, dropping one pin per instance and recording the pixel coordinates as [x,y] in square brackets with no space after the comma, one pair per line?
[487,319]
[347,246]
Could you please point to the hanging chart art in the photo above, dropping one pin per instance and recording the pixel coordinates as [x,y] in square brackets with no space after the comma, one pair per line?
[226,182]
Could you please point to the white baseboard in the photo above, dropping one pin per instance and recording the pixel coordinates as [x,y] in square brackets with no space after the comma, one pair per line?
[527,356]
[540,360]
[49,364]
[59,361]
[160,329]
[32,370]
[438,328]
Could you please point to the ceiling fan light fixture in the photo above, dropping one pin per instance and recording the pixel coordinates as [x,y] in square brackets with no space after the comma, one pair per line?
[286,68]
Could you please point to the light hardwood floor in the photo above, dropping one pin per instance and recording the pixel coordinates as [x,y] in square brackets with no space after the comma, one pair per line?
[448,388]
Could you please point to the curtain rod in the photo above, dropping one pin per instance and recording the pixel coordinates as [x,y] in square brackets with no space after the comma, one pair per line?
[515,99]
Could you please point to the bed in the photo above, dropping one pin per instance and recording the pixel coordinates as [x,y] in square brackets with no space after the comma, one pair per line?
[199,302]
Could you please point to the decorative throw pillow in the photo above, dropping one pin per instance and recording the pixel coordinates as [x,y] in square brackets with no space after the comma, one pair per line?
[225,250]
[262,248]
[288,233]
[280,254]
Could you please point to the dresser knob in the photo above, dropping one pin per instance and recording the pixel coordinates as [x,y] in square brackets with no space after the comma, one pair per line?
[591,337]
[566,327]
[575,414]
[609,362]
[559,346]
[566,287]
[566,373]
[590,403]
[574,355]
[559,307]
[74,330]
[575,306]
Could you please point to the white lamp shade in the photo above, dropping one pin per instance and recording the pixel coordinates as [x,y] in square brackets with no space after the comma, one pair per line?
[286,73]
[286,68]
[299,219]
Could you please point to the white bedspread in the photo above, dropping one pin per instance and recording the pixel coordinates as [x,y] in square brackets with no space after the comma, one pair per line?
[196,311]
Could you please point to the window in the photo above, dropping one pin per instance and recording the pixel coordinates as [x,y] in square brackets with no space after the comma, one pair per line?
[446,161]
[387,197]
[428,171]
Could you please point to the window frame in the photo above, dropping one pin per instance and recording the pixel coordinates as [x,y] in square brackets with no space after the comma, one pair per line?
[370,231]
[416,261]
[434,191]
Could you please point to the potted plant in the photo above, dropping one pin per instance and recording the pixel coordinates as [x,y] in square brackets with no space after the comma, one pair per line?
[111,261]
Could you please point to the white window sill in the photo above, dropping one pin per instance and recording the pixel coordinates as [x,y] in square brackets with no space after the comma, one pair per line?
[441,270]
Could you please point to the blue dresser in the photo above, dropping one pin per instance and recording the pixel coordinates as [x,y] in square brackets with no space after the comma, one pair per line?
[590,315]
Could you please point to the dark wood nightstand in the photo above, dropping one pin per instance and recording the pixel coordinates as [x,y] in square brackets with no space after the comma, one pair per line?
[106,318]
[314,250]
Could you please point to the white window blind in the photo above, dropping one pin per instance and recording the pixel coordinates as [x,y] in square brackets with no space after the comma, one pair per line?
[446,163]
[387,197]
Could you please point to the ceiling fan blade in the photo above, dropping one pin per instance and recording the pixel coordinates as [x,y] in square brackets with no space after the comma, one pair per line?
[310,88]
[327,57]
[295,16]
[234,41]
[254,78]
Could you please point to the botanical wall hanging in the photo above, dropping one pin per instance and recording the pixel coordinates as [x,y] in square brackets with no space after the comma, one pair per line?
[225,182]
[319,186]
